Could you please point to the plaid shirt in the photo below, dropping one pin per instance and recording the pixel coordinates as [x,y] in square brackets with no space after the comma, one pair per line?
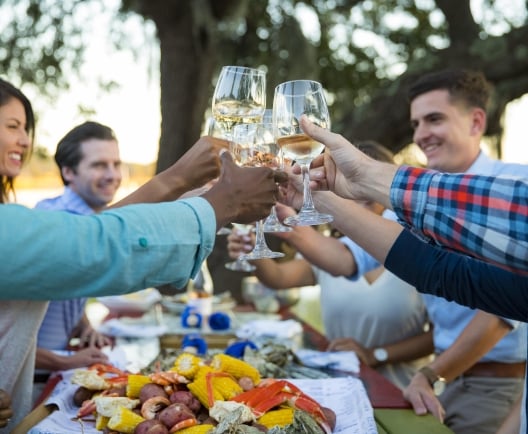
[483,216]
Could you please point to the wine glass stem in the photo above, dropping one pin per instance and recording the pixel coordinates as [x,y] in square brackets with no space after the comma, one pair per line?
[260,241]
[307,193]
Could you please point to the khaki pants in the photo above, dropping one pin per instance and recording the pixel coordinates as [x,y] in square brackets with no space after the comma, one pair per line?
[478,405]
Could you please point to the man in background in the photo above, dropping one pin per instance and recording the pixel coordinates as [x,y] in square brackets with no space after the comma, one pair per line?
[90,168]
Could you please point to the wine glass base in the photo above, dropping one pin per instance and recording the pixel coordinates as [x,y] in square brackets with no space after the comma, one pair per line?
[276,227]
[240,265]
[264,253]
[308,218]
[223,231]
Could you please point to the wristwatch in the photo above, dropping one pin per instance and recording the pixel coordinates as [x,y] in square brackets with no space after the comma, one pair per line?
[380,354]
[437,382]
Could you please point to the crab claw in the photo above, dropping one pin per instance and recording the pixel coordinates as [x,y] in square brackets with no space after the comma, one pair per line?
[271,393]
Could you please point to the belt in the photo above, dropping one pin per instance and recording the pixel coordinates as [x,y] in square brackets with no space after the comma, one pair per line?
[496,369]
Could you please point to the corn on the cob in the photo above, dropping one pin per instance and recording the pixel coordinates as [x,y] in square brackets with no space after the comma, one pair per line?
[101,422]
[199,387]
[135,383]
[124,421]
[200,390]
[224,383]
[236,367]
[280,417]
[197,429]
[187,364]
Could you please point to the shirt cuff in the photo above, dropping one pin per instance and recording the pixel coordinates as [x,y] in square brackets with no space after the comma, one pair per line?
[408,194]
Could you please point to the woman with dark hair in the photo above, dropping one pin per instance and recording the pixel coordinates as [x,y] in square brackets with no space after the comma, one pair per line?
[16,145]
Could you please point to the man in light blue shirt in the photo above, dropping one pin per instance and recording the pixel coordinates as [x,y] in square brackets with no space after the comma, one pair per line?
[90,168]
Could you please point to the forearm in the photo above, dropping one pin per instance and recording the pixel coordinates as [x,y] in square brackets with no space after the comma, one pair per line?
[147,245]
[478,338]
[411,349]
[371,231]
[166,186]
[483,216]
[326,253]
[459,278]
[376,180]
[282,275]
[46,359]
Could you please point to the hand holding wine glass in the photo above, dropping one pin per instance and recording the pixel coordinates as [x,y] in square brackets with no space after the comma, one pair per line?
[254,145]
[292,100]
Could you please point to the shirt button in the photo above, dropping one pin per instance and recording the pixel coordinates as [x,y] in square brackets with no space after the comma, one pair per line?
[143,242]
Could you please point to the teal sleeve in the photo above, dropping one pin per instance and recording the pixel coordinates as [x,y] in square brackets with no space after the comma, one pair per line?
[56,255]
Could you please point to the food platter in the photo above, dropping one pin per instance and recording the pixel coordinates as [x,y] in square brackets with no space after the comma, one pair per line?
[135,302]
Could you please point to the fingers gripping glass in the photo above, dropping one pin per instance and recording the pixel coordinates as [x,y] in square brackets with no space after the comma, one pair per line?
[254,145]
[291,100]
[239,96]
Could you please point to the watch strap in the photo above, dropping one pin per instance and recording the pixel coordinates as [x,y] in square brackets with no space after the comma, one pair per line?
[437,382]
[432,376]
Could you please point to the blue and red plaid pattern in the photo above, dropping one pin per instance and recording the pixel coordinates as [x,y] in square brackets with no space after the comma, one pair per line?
[483,216]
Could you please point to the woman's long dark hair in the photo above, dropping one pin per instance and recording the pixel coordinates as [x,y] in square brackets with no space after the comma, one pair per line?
[7,93]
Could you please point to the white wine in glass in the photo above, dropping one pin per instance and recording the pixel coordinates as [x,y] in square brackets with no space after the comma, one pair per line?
[239,97]
[292,100]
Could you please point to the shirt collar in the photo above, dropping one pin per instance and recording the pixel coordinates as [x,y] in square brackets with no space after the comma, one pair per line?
[483,164]
[75,203]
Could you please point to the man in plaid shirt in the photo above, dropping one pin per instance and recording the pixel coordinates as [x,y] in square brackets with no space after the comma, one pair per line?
[479,215]
[455,211]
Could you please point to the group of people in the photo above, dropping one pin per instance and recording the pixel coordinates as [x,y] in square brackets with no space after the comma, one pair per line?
[476,352]
[460,236]
[51,255]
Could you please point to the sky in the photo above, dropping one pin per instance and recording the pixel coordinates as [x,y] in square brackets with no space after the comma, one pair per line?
[133,109]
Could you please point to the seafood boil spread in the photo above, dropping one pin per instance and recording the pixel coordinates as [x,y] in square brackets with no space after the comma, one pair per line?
[210,394]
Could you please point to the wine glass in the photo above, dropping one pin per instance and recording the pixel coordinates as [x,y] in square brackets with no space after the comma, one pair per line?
[291,100]
[254,145]
[239,97]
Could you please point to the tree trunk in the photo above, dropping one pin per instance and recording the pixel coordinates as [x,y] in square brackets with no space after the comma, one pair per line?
[186,67]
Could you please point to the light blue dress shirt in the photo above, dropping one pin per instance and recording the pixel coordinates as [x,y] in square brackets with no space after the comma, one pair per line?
[57,255]
[450,318]
[62,316]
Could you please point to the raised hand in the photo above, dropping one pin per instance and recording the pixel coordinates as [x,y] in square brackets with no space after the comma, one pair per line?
[194,169]
[346,170]
[239,243]
[201,163]
[243,194]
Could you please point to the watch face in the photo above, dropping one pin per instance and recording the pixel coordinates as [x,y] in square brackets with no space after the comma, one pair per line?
[380,354]
[439,387]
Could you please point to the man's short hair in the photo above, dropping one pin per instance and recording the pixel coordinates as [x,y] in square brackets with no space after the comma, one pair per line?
[466,86]
[68,153]
[375,150]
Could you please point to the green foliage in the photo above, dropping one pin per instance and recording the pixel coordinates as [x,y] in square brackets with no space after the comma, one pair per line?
[40,42]
[359,49]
